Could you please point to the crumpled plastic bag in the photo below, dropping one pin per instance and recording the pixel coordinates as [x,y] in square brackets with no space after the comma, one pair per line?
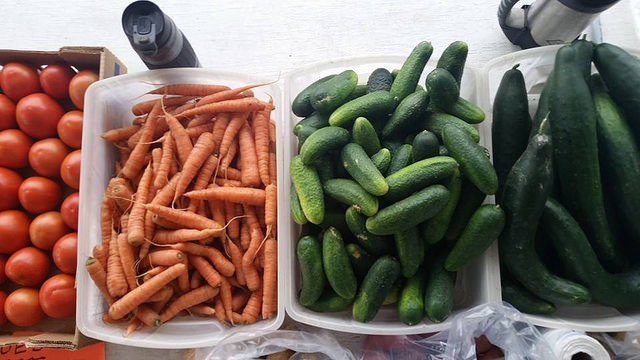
[624,345]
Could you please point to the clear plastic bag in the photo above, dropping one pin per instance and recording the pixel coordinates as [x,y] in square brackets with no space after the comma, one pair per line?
[624,346]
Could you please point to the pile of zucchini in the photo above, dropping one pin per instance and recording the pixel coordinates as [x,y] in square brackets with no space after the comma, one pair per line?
[570,182]
[388,186]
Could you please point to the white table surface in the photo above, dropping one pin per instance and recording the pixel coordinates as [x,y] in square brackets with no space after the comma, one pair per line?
[271,37]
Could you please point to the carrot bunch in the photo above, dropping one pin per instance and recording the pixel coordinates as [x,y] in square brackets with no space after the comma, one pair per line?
[189,220]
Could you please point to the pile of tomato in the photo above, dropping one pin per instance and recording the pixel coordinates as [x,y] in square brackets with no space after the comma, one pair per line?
[40,139]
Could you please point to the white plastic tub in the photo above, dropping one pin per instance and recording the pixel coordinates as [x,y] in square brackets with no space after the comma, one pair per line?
[535,65]
[477,284]
[109,106]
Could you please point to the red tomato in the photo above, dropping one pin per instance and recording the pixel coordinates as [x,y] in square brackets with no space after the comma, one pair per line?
[7,113]
[14,148]
[64,253]
[19,80]
[55,79]
[70,129]
[3,277]
[38,115]
[3,317]
[45,157]
[38,194]
[46,229]
[78,86]
[27,267]
[69,210]
[22,307]
[70,169]
[58,296]
[14,231]
[9,184]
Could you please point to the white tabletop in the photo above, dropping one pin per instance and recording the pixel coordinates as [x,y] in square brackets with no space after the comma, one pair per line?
[271,37]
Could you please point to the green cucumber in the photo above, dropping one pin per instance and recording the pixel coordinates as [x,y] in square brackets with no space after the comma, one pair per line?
[584,54]
[436,120]
[453,59]
[309,255]
[315,120]
[297,214]
[575,155]
[483,229]
[372,105]
[474,164]
[336,265]
[438,294]
[543,105]
[469,201]
[303,134]
[511,123]
[361,168]
[322,141]
[425,145]
[360,259]
[335,218]
[621,72]
[309,188]
[408,112]
[324,167]
[329,301]
[359,91]
[329,95]
[400,158]
[374,244]
[375,287]
[418,175]
[394,73]
[407,79]
[380,79]
[391,144]
[523,200]
[382,159]
[301,105]
[467,111]
[409,212]
[364,134]
[443,89]
[619,157]
[410,248]
[411,303]
[621,290]
[434,229]
[350,192]
[523,300]
[394,293]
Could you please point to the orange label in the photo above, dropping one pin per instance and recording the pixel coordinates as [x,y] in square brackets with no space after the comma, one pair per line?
[21,352]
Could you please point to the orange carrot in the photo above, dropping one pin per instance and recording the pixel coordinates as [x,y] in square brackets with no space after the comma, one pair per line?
[217,213]
[156,155]
[106,219]
[242,195]
[148,317]
[165,195]
[203,178]
[163,294]
[166,257]
[236,122]
[140,294]
[260,212]
[101,255]
[271,202]
[225,295]
[225,95]
[270,279]
[139,120]
[208,273]
[183,280]
[144,107]
[136,218]
[238,300]
[122,133]
[166,224]
[193,297]
[127,258]
[180,137]
[221,263]
[136,159]
[252,309]
[202,310]
[252,220]
[261,133]
[219,308]
[99,277]
[247,146]
[196,131]
[232,106]
[189,89]
[245,235]
[201,151]
[161,176]
[256,242]
[252,277]
[200,120]
[187,219]
[196,280]
[133,325]
[236,258]
[121,192]
[228,183]
[272,131]
[273,171]
[231,154]
[181,108]
[164,237]
[230,174]
[233,227]
[116,281]
[219,127]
